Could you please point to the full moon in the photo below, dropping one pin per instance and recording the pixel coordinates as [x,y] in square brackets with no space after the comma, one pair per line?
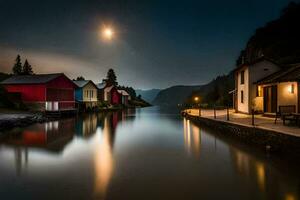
[107,33]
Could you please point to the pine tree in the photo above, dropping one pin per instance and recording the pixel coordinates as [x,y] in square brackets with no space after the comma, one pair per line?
[27,69]
[111,77]
[17,68]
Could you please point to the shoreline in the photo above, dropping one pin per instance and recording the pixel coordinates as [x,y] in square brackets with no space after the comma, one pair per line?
[265,139]
[12,120]
[19,119]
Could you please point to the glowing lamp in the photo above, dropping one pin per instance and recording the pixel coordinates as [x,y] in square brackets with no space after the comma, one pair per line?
[196,99]
[291,89]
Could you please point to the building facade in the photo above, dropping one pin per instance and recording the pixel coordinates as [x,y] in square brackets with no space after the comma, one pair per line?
[246,77]
[264,86]
[86,94]
[112,96]
[43,92]
[281,89]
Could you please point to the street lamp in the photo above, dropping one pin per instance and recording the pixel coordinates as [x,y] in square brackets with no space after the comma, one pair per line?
[197,101]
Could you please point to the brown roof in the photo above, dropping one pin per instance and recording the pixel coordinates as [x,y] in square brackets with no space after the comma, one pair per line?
[291,73]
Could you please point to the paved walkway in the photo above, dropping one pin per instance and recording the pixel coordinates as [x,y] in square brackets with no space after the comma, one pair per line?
[243,119]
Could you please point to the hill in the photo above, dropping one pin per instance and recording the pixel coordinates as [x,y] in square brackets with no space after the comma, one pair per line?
[174,95]
[148,95]
[215,92]
[278,40]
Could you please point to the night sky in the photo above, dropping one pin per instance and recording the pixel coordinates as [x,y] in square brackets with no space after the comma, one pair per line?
[157,43]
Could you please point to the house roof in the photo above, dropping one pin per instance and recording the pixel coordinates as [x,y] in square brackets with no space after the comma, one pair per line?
[31,79]
[123,92]
[261,59]
[292,73]
[83,83]
[101,85]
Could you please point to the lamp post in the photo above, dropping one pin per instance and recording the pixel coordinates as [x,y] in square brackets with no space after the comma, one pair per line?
[197,101]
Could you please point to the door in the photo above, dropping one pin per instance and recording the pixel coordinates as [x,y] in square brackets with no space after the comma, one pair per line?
[270,99]
[48,105]
[55,106]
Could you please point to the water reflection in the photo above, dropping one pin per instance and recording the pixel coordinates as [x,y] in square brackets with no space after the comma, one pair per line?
[52,137]
[267,178]
[47,136]
[192,138]
[249,168]
[86,125]
[120,156]
[103,152]
[103,158]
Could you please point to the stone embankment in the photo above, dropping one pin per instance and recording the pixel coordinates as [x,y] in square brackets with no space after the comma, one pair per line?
[270,140]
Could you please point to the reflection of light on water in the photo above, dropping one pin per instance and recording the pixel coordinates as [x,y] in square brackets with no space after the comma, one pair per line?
[192,139]
[260,175]
[51,126]
[103,161]
[196,139]
[242,162]
[290,197]
[247,166]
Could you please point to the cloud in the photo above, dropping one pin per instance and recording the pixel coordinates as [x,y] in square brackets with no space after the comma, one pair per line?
[45,62]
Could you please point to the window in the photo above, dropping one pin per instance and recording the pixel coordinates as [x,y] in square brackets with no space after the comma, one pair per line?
[242,77]
[242,96]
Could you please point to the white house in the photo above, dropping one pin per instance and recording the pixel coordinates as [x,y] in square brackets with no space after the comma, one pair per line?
[264,86]
[248,95]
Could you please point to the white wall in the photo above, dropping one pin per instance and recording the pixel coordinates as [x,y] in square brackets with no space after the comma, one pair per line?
[253,73]
[243,107]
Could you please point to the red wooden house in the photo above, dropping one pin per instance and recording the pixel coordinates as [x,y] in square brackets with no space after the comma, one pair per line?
[112,96]
[43,92]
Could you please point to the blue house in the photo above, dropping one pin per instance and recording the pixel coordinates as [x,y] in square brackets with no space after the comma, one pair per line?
[86,94]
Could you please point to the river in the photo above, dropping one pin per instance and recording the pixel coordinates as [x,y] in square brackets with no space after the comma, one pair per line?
[137,154]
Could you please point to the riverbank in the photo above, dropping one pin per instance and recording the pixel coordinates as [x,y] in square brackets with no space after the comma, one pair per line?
[272,140]
[12,120]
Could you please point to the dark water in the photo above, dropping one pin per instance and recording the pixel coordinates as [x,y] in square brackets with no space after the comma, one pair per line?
[137,154]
